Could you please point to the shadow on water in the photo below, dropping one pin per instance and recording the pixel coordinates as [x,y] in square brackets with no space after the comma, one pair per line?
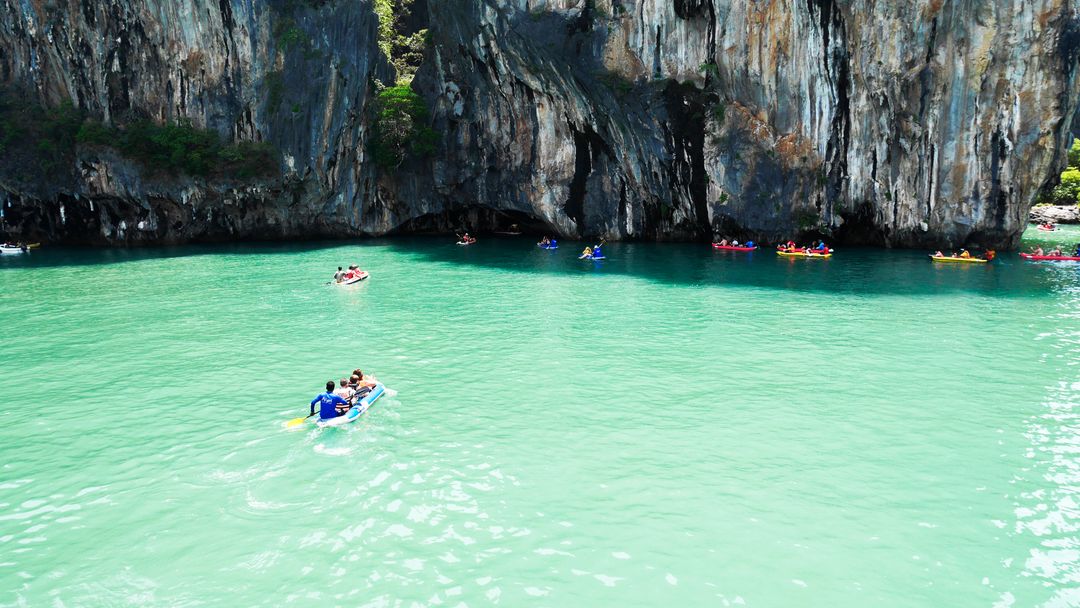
[53,257]
[850,271]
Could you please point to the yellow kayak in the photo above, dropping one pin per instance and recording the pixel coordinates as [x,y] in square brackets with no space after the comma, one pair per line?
[801,254]
[953,260]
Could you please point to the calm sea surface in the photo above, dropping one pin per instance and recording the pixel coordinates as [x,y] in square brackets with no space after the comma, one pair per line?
[671,427]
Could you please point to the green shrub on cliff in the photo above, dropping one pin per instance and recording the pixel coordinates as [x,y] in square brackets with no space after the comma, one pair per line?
[403,49]
[180,147]
[38,142]
[1068,191]
[401,127]
[32,136]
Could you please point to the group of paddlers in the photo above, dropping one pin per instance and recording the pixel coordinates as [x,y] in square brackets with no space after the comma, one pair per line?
[344,276]
[336,402]
[1056,252]
[818,247]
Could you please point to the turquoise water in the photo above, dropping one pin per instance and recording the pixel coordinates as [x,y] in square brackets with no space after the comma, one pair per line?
[674,426]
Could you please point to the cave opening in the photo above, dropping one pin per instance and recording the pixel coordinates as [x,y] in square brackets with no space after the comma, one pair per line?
[476,220]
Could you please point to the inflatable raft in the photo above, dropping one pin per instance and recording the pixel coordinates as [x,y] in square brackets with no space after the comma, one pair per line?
[1050,258]
[353,281]
[802,254]
[732,248]
[953,260]
[361,407]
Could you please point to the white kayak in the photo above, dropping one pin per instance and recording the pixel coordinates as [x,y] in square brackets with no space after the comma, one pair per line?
[8,249]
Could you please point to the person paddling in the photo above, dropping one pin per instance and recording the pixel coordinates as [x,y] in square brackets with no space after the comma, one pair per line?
[328,403]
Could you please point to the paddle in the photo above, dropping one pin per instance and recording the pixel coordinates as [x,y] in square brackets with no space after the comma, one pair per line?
[298,421]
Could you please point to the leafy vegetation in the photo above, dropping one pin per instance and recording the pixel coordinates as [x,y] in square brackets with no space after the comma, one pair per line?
[806,219]
[275,88]
[615,81]
[44,140]
[401,127]
[405,51]
[179,147]
[37,142]
[1068,191]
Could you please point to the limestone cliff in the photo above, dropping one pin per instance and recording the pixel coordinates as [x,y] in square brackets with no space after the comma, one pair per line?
[898,123]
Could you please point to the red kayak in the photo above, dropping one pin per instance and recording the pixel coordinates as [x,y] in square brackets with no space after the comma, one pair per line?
[1060,258]
[732,248]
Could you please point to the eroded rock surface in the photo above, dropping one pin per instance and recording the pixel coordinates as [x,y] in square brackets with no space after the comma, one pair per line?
[895,123]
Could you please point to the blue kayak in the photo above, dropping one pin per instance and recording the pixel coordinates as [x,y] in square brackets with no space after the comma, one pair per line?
[356,410]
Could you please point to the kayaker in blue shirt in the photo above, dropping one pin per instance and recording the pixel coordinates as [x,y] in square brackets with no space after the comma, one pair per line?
[596,253]
[328,403]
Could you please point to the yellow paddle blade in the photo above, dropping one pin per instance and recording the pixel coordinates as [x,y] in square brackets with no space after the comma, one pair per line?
[294,422]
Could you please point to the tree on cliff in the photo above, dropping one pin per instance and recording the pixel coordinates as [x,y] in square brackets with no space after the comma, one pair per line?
[401,127]
[1067,192]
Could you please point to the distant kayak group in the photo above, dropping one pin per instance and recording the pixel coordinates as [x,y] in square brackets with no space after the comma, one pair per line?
[351,276]
[1054,254]
[962,257]
[10,248]
[596,252]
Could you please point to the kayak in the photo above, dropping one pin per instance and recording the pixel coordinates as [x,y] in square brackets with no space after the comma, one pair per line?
[952,260]
[802,254]
[508,233]
[547,246]
[6,249]
[1045,229]
[591,257]
[353,281]
[732,248]
[1059,258]
[357,410]
[464,243]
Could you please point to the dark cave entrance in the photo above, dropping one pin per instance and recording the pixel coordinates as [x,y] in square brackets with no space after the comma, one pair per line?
[476,220]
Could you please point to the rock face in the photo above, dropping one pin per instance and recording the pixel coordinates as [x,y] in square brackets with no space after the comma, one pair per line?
[912,123]
[1055,214]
